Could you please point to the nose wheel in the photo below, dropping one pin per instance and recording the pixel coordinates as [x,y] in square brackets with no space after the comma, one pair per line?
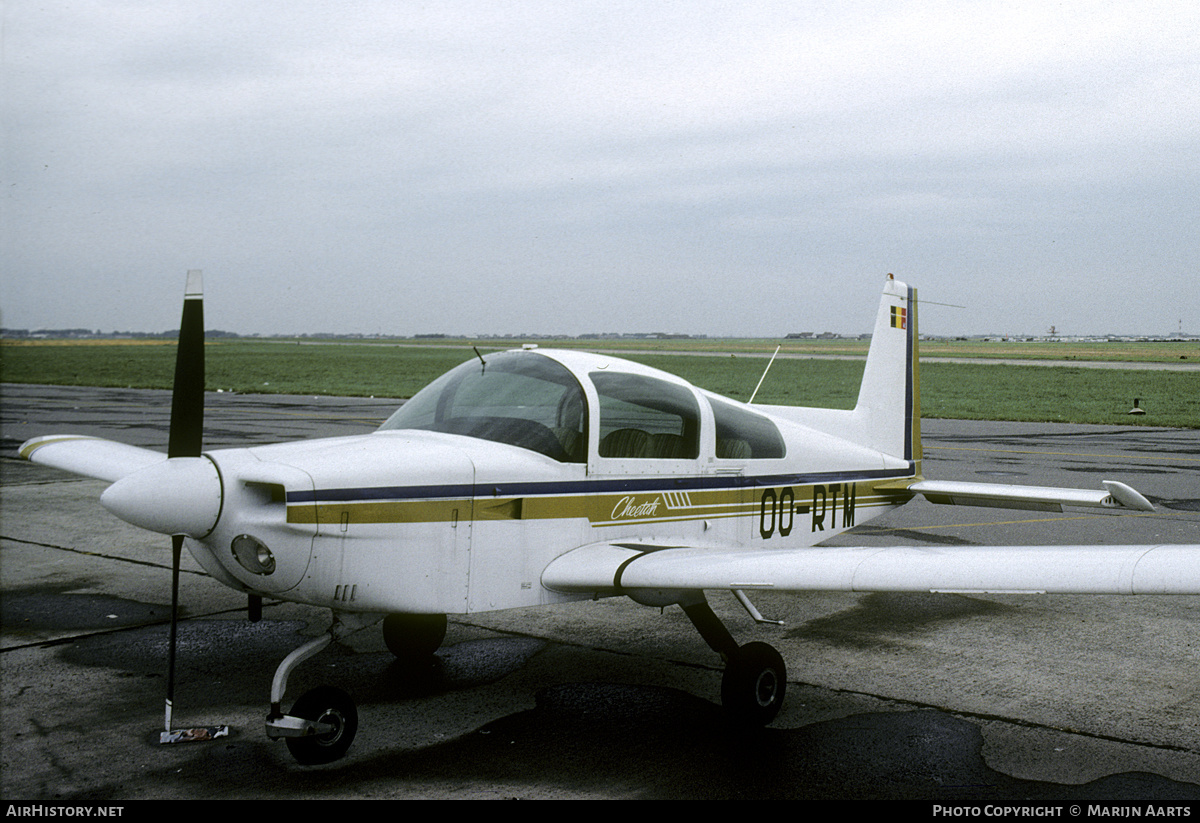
[332,720]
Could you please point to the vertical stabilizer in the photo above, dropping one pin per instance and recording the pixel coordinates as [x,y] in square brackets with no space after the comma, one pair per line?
[887,415]
[888,412]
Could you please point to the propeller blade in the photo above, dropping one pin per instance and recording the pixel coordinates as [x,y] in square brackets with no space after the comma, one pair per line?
[187,399]
[186,440]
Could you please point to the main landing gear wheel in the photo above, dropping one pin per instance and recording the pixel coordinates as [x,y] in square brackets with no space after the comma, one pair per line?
[754,683]
[414,636]
[334,707]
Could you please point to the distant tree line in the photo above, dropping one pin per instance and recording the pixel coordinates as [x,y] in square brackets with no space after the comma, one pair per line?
[71,334]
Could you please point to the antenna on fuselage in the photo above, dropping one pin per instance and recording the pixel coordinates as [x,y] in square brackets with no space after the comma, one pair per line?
[480,356]
[764,375]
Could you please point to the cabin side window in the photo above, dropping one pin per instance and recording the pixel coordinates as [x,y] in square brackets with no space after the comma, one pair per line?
[742,434]
[644,417]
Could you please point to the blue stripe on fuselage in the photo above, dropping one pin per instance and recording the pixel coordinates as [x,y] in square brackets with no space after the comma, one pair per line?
[619,485]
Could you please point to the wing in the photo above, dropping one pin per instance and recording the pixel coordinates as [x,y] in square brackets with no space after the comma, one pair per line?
[89,456]
[620,568]
[1041,498]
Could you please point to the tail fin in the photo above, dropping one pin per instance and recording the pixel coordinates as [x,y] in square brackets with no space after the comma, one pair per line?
[887,416]
[888,411]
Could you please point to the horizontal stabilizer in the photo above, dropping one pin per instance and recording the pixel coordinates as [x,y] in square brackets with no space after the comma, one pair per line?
[89,456]
[610,568]
[1040,498]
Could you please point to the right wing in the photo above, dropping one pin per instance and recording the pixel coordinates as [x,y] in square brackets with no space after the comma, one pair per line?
[621,568]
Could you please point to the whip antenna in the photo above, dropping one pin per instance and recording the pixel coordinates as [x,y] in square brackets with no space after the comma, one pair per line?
[764,375]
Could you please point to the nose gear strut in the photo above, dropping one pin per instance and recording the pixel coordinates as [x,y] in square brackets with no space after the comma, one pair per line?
[323,721]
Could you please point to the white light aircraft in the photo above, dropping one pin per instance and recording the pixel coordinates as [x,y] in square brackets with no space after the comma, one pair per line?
[540,476]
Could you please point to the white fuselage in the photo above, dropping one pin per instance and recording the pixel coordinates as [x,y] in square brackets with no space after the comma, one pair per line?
[429,522]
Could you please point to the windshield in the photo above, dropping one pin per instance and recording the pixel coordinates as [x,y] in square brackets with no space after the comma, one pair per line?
[520,398]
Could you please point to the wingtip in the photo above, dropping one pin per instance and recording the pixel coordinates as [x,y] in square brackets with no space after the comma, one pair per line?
[1127,496]
[30,446]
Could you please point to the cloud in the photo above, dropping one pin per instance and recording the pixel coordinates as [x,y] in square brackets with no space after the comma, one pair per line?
[483,167]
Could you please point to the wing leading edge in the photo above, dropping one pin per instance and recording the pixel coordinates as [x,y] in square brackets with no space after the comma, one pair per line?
[621,568]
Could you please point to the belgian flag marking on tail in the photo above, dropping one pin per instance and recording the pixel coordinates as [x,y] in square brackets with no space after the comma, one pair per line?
[899,317]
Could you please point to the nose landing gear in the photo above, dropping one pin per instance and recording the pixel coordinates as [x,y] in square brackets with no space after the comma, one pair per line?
[322,723]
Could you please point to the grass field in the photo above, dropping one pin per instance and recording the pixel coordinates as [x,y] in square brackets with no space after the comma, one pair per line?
[977,391]
[1015,349]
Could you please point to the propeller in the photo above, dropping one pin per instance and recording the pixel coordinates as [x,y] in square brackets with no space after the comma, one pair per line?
[185,441]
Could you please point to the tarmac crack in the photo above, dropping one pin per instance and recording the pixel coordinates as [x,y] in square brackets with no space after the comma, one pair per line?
[100,555]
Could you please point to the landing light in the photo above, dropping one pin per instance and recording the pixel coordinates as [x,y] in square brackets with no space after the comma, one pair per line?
[253,554]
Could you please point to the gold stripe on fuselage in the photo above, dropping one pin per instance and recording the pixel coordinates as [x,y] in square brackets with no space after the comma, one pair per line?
[838,501]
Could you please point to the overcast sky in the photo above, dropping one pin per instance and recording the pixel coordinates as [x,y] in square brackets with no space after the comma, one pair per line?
[725,168]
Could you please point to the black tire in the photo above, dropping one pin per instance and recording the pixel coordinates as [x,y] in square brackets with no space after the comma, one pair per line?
[414,636]
[754,684]
[326,705]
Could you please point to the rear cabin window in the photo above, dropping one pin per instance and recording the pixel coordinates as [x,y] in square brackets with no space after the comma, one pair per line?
[644,417]
[742,434]
[518,398]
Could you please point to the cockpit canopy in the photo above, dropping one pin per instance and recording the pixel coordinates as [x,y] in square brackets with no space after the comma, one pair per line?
[530,400]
